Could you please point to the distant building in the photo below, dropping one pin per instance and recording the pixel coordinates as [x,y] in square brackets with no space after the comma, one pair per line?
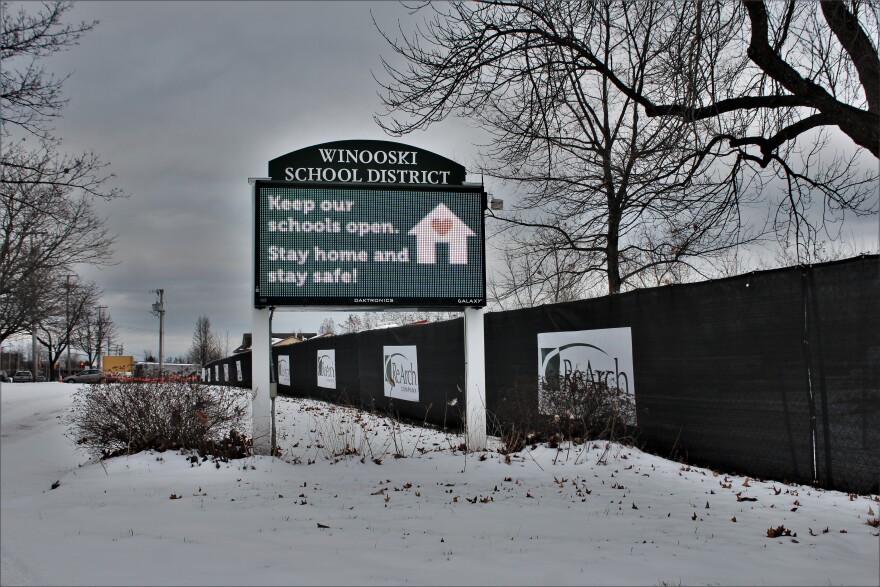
[278,339]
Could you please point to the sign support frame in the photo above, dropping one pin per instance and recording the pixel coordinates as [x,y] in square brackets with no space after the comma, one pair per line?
[370,165]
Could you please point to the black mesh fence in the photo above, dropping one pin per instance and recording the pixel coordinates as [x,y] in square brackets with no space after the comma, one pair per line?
[740,374]
[715,382]
[234,371]
[842,328]
[440,354]
[773,374]
[303,361]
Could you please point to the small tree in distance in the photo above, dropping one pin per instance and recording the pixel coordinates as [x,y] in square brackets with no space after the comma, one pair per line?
[328,326]
[205,345]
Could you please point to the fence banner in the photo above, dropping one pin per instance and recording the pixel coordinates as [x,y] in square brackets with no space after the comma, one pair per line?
[401,372]
[238,371]
[327,368]
[283,370]
[567,361]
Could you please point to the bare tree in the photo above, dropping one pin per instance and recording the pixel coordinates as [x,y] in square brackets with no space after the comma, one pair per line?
[70,308]
[783,81]
[328,326]
[45,229]
[224,345]
[597,174]
[106,330]
[530,278]
[568,91]
[27,304]
[364,321]
[809,65]
[205,345]
[47,213]
[92,332]
[352,323]
[31,97]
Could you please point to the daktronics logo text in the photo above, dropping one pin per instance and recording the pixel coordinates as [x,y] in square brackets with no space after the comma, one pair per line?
[374,300]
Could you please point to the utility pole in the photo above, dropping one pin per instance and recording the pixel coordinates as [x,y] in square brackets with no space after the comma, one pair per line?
[159,310]
[35,369]
[34,304]
[100,335]
[67,318]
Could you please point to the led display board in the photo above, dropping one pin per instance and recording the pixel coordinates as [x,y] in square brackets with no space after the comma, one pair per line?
[368,245]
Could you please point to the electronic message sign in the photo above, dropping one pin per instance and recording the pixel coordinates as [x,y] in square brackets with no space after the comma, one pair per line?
[367,224]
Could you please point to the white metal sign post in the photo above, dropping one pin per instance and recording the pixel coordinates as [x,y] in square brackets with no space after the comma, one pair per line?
[261,403]
[475,378]
[261,344]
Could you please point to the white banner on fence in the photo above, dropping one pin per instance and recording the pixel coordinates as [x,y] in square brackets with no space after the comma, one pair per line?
[401,372]
[238,371]
[226,372]
[283,370]
[327,368]
[216,373]
[602,356]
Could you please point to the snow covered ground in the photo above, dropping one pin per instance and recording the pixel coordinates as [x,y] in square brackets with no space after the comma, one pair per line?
[436,516]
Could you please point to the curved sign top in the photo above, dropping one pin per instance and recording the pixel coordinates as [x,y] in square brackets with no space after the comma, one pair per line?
[366,161]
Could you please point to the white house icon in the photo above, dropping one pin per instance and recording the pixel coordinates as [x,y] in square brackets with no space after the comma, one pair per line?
[441,226]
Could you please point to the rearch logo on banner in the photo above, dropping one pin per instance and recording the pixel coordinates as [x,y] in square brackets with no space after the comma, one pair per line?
[569,360]
[327,368]
[401,372]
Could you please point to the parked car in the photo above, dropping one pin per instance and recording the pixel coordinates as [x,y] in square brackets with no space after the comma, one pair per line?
[86,376]
[22,377]
[4,378]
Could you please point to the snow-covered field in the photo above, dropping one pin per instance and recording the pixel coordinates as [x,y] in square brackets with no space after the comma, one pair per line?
[436,516]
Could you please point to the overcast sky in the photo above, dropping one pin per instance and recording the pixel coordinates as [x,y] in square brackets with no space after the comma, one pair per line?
[185,101]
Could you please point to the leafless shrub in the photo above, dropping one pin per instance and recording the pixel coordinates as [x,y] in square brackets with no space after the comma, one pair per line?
[586,407]
[131,416]
[572,408]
